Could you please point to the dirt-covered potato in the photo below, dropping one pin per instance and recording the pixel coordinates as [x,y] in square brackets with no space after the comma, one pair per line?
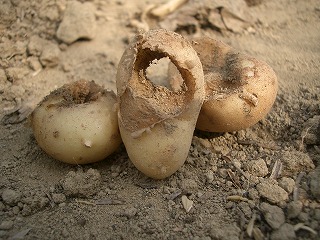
[240,90]
[157,123]
[77,123]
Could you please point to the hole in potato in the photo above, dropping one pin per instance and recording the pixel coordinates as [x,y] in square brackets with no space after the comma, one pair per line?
[160,72]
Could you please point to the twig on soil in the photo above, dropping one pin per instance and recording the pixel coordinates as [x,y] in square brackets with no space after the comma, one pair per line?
[236,166]
[296,187]
[304,227]
[251,224]
[234,179]
[276,170]
[85,202]
[237,198]
[304,136]
[167,8]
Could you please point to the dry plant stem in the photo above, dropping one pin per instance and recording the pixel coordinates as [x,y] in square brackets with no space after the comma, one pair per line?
[157,124]
[167,8]
[240,90]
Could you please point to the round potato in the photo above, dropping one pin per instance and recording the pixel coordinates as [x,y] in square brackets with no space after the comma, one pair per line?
[77,123]
[240,90]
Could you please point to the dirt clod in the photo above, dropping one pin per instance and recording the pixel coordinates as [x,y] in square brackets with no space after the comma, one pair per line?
[82,183]
[273,215]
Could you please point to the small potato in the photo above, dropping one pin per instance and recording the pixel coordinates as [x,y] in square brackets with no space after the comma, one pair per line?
[240,90]
[157,123]
[77,124]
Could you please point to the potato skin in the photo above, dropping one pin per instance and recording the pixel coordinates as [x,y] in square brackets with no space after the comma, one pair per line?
[77,134]
[240,90]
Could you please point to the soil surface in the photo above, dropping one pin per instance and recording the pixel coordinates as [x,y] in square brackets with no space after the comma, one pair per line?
[259,183]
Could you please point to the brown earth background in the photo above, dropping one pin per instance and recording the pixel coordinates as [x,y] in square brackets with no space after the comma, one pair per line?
[231,180]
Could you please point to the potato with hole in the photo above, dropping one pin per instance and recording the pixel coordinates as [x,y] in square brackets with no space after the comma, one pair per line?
[77,123]
[157,123]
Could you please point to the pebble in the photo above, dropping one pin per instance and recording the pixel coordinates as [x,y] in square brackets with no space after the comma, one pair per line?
[294,209]
[78,22]
[273,215]
[285,232]
[258,168]
[271,191]
[6,225]
[287,184]
[50,55]
[11,197]
[315,183]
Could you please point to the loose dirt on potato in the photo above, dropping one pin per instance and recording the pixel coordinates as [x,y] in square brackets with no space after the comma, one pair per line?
[259,183]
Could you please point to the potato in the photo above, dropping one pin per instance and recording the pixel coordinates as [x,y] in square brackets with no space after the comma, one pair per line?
[157,123]
[77,123]
[240,90]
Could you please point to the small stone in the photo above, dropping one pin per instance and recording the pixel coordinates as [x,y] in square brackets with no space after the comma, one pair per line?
[11,197]
[315,183]
[78,22]
[285,232]
[258,168]
[58,198]
[187,203]
[271,191]
[34,63]
[287,184]
[273,215]
[50,55]
[294,209]
[6,225]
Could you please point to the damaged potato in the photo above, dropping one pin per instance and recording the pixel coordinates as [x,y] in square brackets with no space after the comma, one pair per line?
[77,123]
[157,123]
[240,90]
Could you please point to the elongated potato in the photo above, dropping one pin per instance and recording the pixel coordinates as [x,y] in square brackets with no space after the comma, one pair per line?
[240,90]
[77,124]
[157,124]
